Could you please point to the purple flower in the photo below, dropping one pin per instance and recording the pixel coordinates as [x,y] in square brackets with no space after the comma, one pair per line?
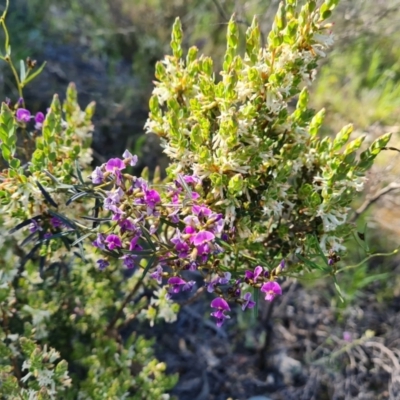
[201,211]
[127,225]
[39,119]
[347,336]
[117,212]
[188,286]
[203,237]
[192,266]
[218,281]
[271,290]
[211,285]
[115,164]
[23,115]
[56,222]
[221,305]
[113,241]
[176,283]
[151,198]
[103,264]
[99,242]
[195,196]
[191,220]
[34,227]
[180,245]
[254,275]
[247,302]
[133,159]
[157,274]
[129,260]
[133,246]
[97,176]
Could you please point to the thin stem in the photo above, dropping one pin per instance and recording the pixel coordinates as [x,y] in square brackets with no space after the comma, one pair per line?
[123,305]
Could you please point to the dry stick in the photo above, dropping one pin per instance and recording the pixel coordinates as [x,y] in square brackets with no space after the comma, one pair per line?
[373,199]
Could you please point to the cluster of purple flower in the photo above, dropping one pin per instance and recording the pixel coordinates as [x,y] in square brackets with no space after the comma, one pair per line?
[138,211]
[23,115]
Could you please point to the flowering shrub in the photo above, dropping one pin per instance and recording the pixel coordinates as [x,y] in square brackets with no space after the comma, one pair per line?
[253,193]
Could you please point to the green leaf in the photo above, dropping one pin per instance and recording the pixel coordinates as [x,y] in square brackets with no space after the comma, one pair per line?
[232,35]
[342,137]
[22,71]
[354,145]
[316,122]
[176,38]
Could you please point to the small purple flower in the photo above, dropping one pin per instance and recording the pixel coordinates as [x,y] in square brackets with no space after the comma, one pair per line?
[115,164]
[117,212]
[201,211]
[188,286]
[247,302]
[56,222]
[103,264]
[221,305]
[23,115]
[225,279]
[180,245]
[176,284]
[129,260]
[99,242]
[151,198]
[157,274]
[203,237]
[39,119]
[211,285]
[127,225]
[133,245]
[192,266]
[97,176]
[254,275]
[271,290]
[347,336]
[195,196]
[133,159]
[218,281]
[47,235]
[113,241]
[34,227]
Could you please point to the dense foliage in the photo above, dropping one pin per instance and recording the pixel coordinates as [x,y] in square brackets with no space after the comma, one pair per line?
[254,193]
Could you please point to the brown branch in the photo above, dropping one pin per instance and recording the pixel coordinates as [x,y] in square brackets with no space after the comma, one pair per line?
[373,199]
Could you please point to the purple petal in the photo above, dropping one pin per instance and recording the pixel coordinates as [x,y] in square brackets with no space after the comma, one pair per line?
[97,176]
[133,159]
[113,241]
[271,290]
[203,237]
[257,272]
[23,115]
[220,304]
[114,164]
[176,280]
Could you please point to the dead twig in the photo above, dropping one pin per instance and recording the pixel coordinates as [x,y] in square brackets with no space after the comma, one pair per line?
[373,199]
